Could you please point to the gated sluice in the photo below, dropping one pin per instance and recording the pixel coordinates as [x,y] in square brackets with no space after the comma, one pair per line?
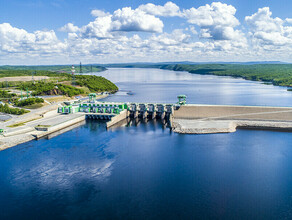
[142,111]
[160,111]
[133,110]
[151,111]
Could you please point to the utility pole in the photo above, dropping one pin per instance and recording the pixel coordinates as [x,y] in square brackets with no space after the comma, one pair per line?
[80,68]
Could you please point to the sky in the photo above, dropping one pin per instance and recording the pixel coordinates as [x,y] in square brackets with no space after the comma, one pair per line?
[51,32]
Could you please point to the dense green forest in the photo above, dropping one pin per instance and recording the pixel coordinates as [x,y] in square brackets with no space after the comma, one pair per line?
[56,68]
[277,74]
[96,83]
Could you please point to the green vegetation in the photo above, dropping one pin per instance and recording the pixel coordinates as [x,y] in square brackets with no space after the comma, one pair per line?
[278,74]
[5,94]
[34,106]
[96,83]
[53,86]
[24,72]
[43,126]
[49,88]
[16,125]
[56,68]
[14,111]
[29,101]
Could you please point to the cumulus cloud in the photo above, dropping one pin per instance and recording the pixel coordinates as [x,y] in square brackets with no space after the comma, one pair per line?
[99,13]
[15,40]
[169,9]
[122,20]
[70,28]
[126,19]
[217,21]
[213,32]
[268,30]
[99,28]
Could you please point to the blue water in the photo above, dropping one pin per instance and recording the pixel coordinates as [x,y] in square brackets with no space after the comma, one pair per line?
[147,171]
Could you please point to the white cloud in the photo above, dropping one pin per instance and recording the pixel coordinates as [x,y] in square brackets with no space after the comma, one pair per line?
[169,9]
[15,40]
[267,30]
[99,13]
[70,28]
[217,21]
[99,28]
[122,20]
[126,19]
[213,33]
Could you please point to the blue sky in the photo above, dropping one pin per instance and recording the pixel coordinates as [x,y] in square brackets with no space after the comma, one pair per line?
[64,32]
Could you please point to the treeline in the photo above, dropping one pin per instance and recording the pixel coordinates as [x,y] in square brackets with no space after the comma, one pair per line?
[57,68]
[24,72]
[28,101]
[96,83]
[277,74]
[14,111]
[49,88]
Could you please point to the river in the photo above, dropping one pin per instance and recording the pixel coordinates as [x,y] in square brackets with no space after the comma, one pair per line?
[147,171]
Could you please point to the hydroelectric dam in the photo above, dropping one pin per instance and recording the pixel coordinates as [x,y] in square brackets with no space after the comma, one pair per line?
[186,118]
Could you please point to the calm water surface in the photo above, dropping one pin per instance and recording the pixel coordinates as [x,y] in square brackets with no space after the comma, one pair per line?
[148,172]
